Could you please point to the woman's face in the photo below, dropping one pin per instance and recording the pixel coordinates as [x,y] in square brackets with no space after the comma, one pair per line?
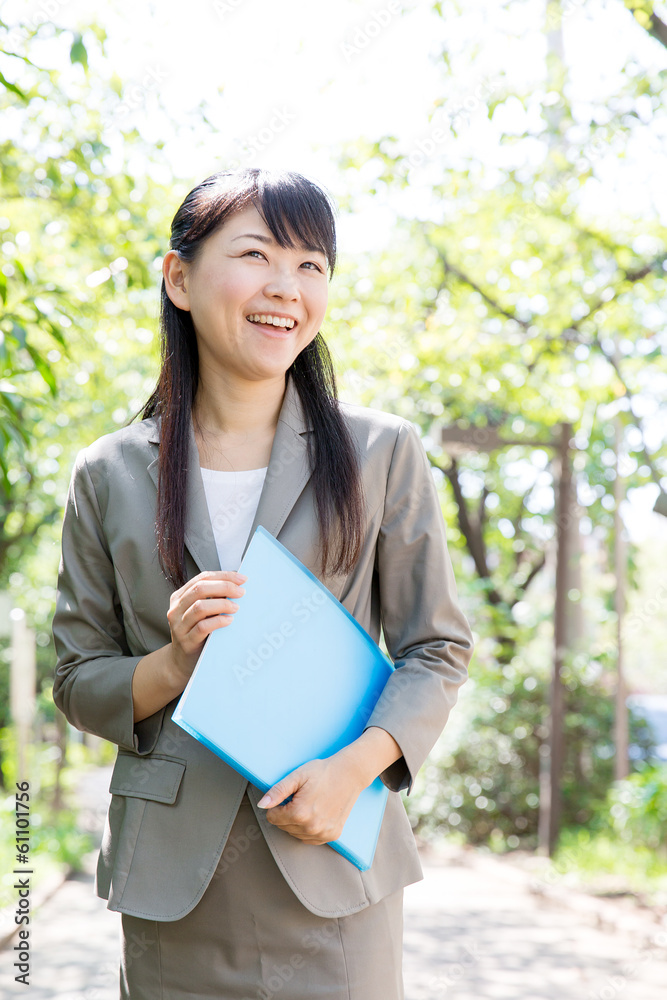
[241,272]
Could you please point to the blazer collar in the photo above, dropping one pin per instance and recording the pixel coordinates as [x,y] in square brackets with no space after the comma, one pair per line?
[287,474]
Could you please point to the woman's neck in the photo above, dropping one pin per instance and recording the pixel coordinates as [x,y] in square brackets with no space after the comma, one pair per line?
[235,423]
[238,409]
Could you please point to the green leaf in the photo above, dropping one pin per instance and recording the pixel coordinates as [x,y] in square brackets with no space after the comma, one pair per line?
[43,368]
[57,334]
[15,432]
[78,53]
[20,268]
[12,87]
[19,334]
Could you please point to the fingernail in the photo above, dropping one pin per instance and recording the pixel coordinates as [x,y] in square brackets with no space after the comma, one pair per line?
[264,802]
[241,591]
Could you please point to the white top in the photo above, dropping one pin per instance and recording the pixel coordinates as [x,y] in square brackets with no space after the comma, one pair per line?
[232,499]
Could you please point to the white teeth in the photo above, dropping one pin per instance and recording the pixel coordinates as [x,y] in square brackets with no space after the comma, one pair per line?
[271,320]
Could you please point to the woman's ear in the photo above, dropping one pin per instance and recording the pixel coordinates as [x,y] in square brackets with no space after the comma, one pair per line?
[175,274]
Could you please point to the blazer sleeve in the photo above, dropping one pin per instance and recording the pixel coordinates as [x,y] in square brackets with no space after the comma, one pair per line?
[426,633]
[93,677]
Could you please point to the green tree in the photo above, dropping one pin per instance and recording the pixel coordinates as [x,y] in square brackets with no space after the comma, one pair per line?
[507,307]
[81,236]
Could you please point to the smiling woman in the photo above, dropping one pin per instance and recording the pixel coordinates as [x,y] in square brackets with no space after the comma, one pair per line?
[253,310]
[246,244]
[238,895]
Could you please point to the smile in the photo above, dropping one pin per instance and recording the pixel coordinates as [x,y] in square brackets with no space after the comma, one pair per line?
[270,319]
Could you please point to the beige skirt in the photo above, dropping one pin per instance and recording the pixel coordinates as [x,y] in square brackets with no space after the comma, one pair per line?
[250,938]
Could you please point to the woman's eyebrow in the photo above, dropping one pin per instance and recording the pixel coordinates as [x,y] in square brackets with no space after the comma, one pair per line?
[269,239]
[255,236]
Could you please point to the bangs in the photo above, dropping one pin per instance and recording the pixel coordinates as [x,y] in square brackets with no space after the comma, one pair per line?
[297,212]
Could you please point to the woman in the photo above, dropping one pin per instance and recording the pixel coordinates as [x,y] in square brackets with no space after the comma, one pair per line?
[224,892]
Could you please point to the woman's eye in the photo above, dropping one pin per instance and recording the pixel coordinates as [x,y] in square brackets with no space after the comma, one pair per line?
[309,262]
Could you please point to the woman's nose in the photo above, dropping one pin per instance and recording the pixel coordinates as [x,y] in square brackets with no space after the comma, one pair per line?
[284,285]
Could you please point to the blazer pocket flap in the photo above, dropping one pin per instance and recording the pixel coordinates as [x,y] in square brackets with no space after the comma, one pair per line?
[151,777]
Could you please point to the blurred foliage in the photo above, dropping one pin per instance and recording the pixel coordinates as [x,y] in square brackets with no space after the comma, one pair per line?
[623,849]
[81,235]
[600,862]
[638,809]
[501,303]
[479,332]
[505,305]
[514,311]
[57,842]
[486,786]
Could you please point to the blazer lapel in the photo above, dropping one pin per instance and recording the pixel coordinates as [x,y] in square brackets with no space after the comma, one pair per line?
[287,474]
[288,470]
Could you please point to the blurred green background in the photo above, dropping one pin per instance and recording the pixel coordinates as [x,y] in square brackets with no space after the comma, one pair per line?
[499,170]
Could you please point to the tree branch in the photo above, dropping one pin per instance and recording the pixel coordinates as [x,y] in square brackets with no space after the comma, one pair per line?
[658,29]
[471,532]
[655,26]
[613,361]
[523,587]
[452,269]
[481,510]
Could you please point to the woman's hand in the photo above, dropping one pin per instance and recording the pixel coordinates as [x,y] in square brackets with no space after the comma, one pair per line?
[324,792]
[202,605]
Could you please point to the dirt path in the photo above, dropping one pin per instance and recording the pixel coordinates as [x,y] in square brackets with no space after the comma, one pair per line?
[473,931]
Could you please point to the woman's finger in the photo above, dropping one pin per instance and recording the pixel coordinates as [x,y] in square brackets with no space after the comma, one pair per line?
[199,591]
[205,608]
[282,789]
[202,606]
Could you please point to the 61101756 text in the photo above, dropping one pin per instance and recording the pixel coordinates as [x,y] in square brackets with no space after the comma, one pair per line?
[22,885]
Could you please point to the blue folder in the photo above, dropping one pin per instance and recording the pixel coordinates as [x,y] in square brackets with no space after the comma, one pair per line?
[293,678]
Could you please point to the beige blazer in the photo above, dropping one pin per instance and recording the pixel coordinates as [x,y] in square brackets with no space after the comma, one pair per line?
[173,800]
